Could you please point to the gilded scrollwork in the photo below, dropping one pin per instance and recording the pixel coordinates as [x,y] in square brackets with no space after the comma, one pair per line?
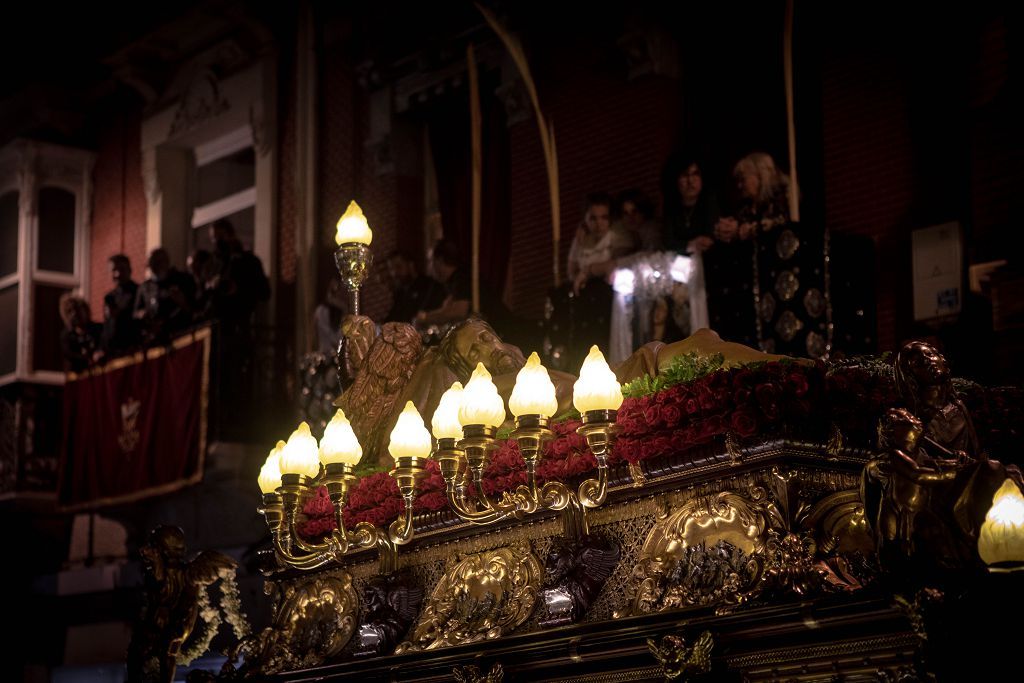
[313,621]
[481,597]
[763,539]
[680,661]
[471,673]
[705,552]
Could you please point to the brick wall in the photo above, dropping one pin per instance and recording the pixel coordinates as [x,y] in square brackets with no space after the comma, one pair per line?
[913,136]
[119,202]
[611,134]
[868,164]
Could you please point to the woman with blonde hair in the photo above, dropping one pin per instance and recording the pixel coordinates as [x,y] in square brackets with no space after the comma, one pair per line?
[763,201]
[766,276]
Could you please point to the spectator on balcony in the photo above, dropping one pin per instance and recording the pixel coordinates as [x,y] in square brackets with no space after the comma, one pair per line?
[411,291]
[80,338]
[742,301]
[690,211]
[596,245]
[636,220]
[165,300]
[120,330]
[581,310]
[201,266]
[239,282]
[763,201]
[446,267]
[327,318]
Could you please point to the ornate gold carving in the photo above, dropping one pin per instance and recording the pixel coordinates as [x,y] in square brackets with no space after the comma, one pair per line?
[727,548]
[472,674]
[482,597]
[637,473]
[313,621]
[916,611]
[703,553]
[680,661]
[838,524]
[175,599]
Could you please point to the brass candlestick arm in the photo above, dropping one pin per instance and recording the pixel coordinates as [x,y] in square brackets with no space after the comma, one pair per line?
[273,511]
[599,430]
[407,473]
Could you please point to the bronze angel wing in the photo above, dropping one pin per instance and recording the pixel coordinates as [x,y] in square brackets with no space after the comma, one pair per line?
[384,370]
[208,566]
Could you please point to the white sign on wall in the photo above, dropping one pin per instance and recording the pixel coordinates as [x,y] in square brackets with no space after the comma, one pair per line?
[938,271]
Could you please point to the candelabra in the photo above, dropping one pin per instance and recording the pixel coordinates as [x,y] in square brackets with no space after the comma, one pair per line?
[353,256]
[293,472]
[465,424]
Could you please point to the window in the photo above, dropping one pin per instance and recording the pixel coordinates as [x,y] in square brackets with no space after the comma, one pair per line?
[212,154]
[225,187]
[43,212]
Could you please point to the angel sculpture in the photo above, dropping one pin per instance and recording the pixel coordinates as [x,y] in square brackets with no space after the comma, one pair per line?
[471,673]
[679,661]
[384,365]
[575,572]
[171,605]
[926,495]
[391,605]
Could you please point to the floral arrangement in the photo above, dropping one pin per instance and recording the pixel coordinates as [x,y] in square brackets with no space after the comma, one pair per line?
[692,402]
[210,616]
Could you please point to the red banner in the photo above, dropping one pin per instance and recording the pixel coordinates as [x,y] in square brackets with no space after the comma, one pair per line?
[136,427]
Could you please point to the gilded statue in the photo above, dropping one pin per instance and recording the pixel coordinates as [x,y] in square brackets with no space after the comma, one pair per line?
[383,365]
[679,660]
[927,494]
[653,357]
[391,368]
[925,384]
[171,602]
[395,371]
[391,605]
[575,572]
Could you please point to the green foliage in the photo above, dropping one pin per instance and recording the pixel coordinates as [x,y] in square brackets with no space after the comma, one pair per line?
[685,368]
[878,366]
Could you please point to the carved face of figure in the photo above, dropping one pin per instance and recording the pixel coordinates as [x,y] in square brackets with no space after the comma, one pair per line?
[922,377]
[476,343]
[925,364]
[900,429]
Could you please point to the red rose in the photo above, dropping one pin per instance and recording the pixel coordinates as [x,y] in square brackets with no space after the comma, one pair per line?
[797,383]
[839,383]
[671,415]
[741,396]
[742,378]
[692,406]
[652,415]
[706,398]
[744,422]
[713,426]
[768,400]
[659,446]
